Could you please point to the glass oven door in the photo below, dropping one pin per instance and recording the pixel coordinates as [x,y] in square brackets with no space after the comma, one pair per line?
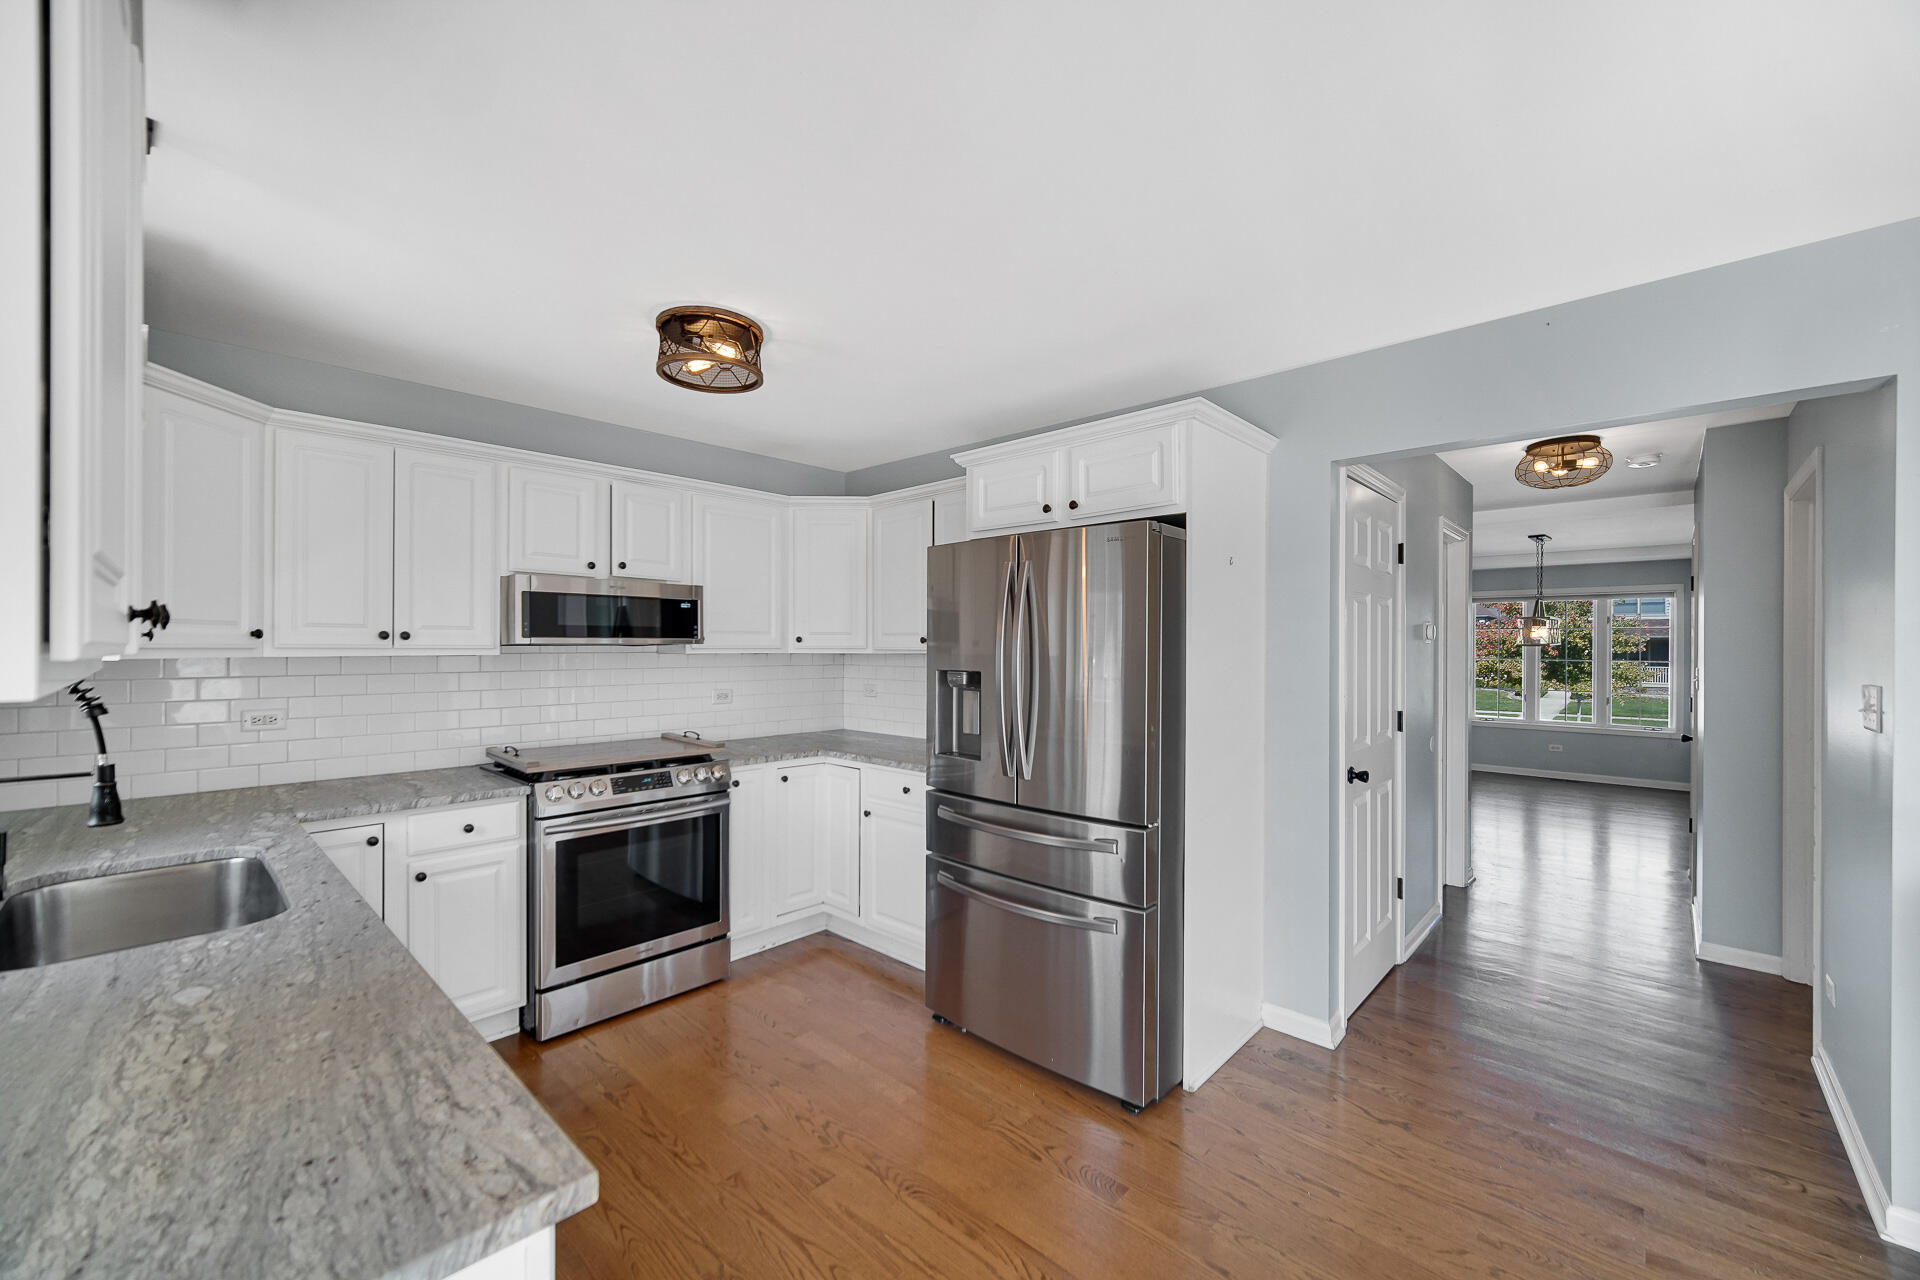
[616,888]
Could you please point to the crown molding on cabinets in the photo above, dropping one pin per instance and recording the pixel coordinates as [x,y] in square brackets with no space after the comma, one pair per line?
[206,393]
[1192,409]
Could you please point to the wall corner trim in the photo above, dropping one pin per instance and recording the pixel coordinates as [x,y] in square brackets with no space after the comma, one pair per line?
[1903,1227]
[1324,1032]
[1417,936]
[1872,1190]
[1757,961]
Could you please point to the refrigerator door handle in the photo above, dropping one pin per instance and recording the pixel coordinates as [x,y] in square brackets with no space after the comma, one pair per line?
[1092,924]
[1027,695]
[958,819]
[1000,669]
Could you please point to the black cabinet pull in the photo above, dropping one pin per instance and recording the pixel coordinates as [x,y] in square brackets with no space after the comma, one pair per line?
[155,615]
[372,840]
[419,875]
[406,635]
[257,634]
[1357,775]
[1046,507]
[1074,505]
[468,828]
[385,636]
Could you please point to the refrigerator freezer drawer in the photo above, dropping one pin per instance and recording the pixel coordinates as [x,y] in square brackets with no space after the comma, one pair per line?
[1091,859]
[1061,981]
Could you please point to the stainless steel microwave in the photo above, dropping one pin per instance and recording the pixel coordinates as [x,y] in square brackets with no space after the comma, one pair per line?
[559,608]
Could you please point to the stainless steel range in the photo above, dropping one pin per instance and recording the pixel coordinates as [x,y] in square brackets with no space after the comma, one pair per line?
[627,876]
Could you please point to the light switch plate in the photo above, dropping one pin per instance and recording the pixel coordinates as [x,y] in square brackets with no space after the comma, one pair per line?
[721,697]
[1871,714]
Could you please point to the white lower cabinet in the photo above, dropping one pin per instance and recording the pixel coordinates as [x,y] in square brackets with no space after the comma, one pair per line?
[748,862]
[893,855]
[815,838]
[451,883]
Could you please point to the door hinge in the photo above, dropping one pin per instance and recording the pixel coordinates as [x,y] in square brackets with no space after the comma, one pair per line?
[1400,722]
[1399,553]
[1689,582]
[1689,826]
[1400,887]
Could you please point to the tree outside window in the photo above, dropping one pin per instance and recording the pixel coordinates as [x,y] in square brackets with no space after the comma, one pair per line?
[1497,660]
[1611,667]
[1566,668]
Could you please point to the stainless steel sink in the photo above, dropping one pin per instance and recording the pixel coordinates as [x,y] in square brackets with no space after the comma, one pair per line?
[134,908]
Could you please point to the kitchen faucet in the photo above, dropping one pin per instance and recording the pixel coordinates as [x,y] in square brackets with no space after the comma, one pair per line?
[103,807]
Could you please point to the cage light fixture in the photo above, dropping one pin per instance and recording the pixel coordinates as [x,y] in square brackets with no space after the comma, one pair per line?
[1537,630]
[709,349]
[1562,462]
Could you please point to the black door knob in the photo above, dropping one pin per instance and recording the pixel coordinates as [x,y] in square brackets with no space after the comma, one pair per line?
[1046,507]
[1074,505]
[257,634]
[419,875]
[373,840]
[406,635]
[1356,775]
[385,636]
[468,828]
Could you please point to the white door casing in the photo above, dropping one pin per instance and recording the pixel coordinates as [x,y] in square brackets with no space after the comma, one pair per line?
[1370,584]
[1803,720]
[446,594]
[1456,696]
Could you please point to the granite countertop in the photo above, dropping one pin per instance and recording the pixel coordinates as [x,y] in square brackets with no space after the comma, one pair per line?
[291,1098]
[890,749]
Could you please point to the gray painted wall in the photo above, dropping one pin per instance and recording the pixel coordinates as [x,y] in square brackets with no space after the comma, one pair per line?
[309,387]
[1740,533]
[1433,490]
[1607,755]
[1839,315]
[1855,435]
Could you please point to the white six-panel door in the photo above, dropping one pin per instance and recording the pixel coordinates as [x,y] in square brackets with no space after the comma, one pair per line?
[204,523]
[649,532]
[445,592]
[1369,673]
[333,536]
[557,522]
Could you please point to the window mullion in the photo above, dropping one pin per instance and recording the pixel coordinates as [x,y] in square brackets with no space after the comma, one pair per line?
[1530,685]
[1602,680]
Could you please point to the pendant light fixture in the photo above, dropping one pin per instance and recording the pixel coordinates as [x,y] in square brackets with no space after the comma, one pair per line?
[1537,629]
[707,349]
[1562,462]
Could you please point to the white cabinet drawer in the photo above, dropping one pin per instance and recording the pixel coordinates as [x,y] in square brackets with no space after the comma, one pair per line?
[435,829]
[881,785]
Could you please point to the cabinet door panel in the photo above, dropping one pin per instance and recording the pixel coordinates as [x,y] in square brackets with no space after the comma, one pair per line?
[827,558]
[360,853]
[333,541]
[649,532]
[1137,471]
[556,523]
[836,819]
[794,838]
[445,592]
[748,829]
[1015,493]
[204,518]
[466,925]
[902,533]
[738,560]
[894,883]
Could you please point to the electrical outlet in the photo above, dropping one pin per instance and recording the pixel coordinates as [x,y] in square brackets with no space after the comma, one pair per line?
[1832,1001]
[1555,746]
[263,720]
[869,690]
[1871,701]
[722,697]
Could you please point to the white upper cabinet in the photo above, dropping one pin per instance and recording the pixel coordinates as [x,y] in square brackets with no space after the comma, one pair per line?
[332,541]
[205,523]
[649,531]
[1134,471]
[902,532]
[827,559]
[446,594]
[1020,491]
[95,354]
[950,514]
[556,523]
[739,562]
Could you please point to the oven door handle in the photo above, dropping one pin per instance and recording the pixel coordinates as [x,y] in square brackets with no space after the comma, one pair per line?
[651,815]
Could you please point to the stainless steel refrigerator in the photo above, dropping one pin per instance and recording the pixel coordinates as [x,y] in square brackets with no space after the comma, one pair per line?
[1054,870]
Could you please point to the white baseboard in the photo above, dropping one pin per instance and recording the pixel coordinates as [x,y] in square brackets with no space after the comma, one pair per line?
[1325,1032]
[498,1026]
[1903,1227]
[1758,961]
[740,946]
[1604,778]
[872,939]
[1872,1190]
[1413,941]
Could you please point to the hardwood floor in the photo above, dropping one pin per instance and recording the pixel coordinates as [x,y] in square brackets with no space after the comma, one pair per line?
[1553,1086]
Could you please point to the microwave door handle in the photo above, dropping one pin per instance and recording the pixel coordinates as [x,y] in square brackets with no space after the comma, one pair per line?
[1101,844]
[1000,669]
[1029,667]
[1092,924]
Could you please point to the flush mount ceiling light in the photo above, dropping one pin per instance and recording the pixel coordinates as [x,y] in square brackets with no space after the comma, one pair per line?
[1645,460]
[1562,462]
[1537,629]
[707,349]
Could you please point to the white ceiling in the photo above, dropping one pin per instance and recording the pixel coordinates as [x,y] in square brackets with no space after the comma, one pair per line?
[960,220]
[1646,526]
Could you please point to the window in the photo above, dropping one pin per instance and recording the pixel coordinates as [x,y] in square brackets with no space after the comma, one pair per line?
[1612,667]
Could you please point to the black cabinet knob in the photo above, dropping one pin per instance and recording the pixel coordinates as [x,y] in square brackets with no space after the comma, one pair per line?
[257,634]
[406,635]
[385,636]
[622,564]
[923,639]
[419,875]
[589,564]
[1046,506]
[799,639]
[373,840]
[1074,505]
[906,791]
[866,813]
[783,777]
[468,828]
[736,783]
[1357,775]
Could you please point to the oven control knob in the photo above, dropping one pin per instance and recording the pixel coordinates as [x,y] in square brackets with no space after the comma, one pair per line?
[556,792]
[576,789]
[597,787]
[719,773]
[683,776]
[703,774]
